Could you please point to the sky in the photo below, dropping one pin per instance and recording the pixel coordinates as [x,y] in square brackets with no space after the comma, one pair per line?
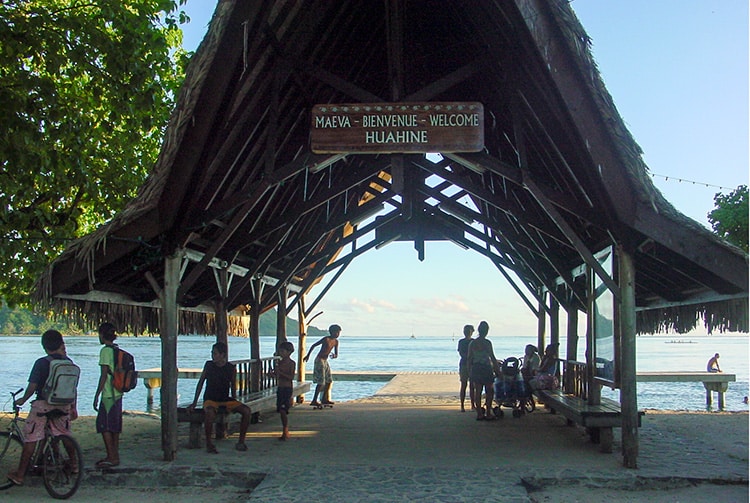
[678,73]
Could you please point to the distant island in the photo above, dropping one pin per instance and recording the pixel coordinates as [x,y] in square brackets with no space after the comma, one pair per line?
[18,321]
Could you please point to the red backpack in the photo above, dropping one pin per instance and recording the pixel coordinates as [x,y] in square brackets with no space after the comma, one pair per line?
[124,377]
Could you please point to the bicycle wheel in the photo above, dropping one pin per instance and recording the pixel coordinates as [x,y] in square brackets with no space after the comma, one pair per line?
[10,454]
[63,466]
[529,405]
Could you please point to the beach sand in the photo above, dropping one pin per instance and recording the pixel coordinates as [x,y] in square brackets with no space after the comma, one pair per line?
[409,442]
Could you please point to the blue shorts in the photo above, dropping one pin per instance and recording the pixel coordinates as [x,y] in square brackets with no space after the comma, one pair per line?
[284,399]
[109,421]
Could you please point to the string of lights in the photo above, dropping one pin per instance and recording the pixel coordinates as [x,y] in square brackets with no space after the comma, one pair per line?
[677,179]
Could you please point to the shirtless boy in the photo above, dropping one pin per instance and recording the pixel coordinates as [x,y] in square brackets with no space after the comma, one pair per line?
[329,346]
[284,372]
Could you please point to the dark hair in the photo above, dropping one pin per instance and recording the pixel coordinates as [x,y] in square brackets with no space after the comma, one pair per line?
[334,329]
[468,328]
[220,347]
[52,340]
[107,331]
[287,345]
[483,328]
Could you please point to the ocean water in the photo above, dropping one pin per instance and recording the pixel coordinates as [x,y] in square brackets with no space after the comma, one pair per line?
[390,354]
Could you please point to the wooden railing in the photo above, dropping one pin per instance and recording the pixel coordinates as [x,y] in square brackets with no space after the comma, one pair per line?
[255,371]
[574,380]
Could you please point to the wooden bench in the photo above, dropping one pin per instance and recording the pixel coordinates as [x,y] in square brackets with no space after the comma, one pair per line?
[597,419]
[259,401]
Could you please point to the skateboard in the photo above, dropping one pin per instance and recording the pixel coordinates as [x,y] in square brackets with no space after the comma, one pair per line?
[320,406]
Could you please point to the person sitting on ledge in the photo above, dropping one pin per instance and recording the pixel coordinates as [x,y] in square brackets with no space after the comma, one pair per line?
[221,391]
[713,364]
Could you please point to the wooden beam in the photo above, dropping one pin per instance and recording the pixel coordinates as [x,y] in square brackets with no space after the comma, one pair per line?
[569,233]
[571,175]
[395,40]
[445,82]
[232,227]
[486,162]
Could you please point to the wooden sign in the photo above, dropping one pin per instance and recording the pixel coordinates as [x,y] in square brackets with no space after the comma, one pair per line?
[379,128]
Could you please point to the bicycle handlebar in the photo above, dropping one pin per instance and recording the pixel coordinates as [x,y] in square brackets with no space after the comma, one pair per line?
[16,408]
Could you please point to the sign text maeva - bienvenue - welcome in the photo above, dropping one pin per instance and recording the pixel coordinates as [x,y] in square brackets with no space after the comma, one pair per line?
[397,128]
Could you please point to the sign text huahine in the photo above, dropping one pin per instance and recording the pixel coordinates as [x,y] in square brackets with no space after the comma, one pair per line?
[407,127]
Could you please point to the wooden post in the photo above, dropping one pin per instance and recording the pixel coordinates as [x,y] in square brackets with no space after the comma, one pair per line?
[255,369]
[554,329]
[594,391]
[220,310]
[628,387]
[541,323]
[255,344]
[281,317]
[554,321]
[169,328]
[572,346]
[301,349]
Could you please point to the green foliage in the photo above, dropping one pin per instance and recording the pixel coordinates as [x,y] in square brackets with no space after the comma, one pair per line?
[267,326]
[86,89]
[730,218]
[23,321]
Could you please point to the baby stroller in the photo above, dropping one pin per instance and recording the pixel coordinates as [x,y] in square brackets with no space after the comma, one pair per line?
[511,391]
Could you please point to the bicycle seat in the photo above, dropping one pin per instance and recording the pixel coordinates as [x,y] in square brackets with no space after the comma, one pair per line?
[52,414]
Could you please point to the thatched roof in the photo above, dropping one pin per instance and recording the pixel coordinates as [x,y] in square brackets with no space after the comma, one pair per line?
[237,185]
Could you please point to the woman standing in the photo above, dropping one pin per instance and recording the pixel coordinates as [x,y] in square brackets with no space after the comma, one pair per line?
[482,368]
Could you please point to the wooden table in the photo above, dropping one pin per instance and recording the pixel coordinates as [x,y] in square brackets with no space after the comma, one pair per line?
[152,379]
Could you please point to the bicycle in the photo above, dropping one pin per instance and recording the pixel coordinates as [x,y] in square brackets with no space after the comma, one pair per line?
[51,458]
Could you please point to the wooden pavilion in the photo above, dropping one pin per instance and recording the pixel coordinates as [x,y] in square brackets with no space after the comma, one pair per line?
[299,121]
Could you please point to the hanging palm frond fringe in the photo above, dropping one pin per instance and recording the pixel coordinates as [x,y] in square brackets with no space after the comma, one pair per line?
[722,316]
[140,320]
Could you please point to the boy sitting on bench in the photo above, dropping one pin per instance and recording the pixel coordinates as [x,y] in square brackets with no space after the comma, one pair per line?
[221,391]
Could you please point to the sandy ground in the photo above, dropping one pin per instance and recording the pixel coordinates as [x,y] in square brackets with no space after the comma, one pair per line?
[410,443]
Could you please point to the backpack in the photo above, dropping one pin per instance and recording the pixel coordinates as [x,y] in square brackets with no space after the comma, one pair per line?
[62,382]
[125,377]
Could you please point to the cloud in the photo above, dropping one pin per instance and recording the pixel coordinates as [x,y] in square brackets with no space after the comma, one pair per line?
[373,305]
[455,305]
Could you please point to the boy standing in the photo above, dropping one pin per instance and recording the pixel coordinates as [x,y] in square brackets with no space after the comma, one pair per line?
[54,346]
[221,391]
[322,370]
[109,410]
[285,369]
[463,366]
